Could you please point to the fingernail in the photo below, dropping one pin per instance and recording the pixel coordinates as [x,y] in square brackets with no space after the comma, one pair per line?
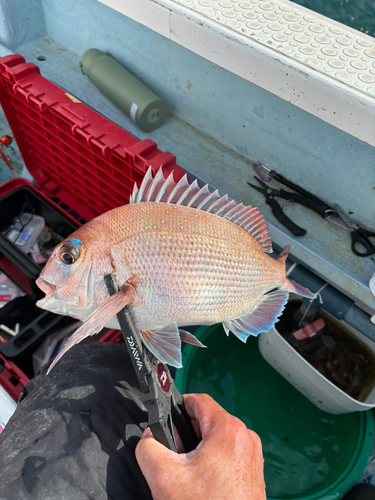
[146,432]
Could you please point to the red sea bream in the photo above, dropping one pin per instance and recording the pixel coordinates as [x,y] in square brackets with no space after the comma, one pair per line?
[180,256]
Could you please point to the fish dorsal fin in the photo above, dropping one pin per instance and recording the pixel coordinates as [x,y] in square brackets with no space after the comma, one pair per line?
[183,193]
[261,319]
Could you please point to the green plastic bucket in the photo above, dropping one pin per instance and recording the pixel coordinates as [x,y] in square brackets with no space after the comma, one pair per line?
[309,454]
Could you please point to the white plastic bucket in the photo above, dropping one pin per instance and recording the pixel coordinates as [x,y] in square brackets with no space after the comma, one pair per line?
[306,379]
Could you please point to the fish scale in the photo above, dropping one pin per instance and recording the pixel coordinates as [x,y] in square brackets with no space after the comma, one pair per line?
[197,255]
[181,256]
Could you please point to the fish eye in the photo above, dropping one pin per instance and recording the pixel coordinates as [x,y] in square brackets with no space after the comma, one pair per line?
[67,258]
[69,253]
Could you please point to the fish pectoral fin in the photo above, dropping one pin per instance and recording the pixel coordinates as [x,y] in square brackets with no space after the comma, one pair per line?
[165,344]
[98,319]
[188,338]
[262,318]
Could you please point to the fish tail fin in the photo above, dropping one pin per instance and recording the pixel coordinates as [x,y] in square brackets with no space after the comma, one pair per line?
[291,285]
[283,255]
[98,319]
[266,313]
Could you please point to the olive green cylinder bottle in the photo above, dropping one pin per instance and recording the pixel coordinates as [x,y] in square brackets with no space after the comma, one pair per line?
[137,101]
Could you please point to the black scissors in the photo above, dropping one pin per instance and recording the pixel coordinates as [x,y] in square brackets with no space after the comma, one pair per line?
[363,240]
[163,401]
[362,245]
[302,197]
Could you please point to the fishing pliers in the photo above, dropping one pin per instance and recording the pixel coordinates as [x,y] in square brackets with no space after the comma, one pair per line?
[302,197]
[163,401]
[271,196]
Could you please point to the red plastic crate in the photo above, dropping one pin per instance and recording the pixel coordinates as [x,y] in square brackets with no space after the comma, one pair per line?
[12,378]
[83,164]
[15,274]
[75,154]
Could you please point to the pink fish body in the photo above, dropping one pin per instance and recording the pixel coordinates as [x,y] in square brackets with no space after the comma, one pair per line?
[180,256]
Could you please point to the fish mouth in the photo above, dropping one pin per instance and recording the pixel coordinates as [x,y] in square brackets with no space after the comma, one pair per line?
[48,288]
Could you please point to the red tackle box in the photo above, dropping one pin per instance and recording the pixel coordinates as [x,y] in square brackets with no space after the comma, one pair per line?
[83,165]
[12,378]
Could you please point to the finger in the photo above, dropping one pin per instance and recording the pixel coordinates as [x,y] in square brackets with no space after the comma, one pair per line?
[191,414]
[153,458]
[256,443]
[165,471]
[179,443]
[205,414]
[254,449]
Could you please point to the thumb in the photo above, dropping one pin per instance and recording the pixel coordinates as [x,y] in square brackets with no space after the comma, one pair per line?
[155,460]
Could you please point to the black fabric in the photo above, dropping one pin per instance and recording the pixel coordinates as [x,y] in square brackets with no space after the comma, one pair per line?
[74,432]
[361,492]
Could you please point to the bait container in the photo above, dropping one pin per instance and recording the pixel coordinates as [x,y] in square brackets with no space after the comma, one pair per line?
[306,379]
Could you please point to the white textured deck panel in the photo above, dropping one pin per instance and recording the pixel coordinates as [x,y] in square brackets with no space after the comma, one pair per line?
[317,64]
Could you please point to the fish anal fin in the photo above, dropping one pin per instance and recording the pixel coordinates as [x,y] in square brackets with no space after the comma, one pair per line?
[262,318]
[237,330]
[97,320]
[226,329]
[165,344]
[183,193]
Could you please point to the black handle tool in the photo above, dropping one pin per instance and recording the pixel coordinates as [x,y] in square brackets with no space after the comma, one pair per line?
[320,206]
[163,401]
[363,240]
[271,196]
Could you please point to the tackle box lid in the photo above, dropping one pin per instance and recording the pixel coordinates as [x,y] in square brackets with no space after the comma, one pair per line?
[72,152]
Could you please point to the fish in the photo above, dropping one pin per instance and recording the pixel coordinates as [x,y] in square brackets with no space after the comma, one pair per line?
[180,255]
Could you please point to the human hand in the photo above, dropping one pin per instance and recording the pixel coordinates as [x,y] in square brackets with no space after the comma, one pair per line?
[226,465]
